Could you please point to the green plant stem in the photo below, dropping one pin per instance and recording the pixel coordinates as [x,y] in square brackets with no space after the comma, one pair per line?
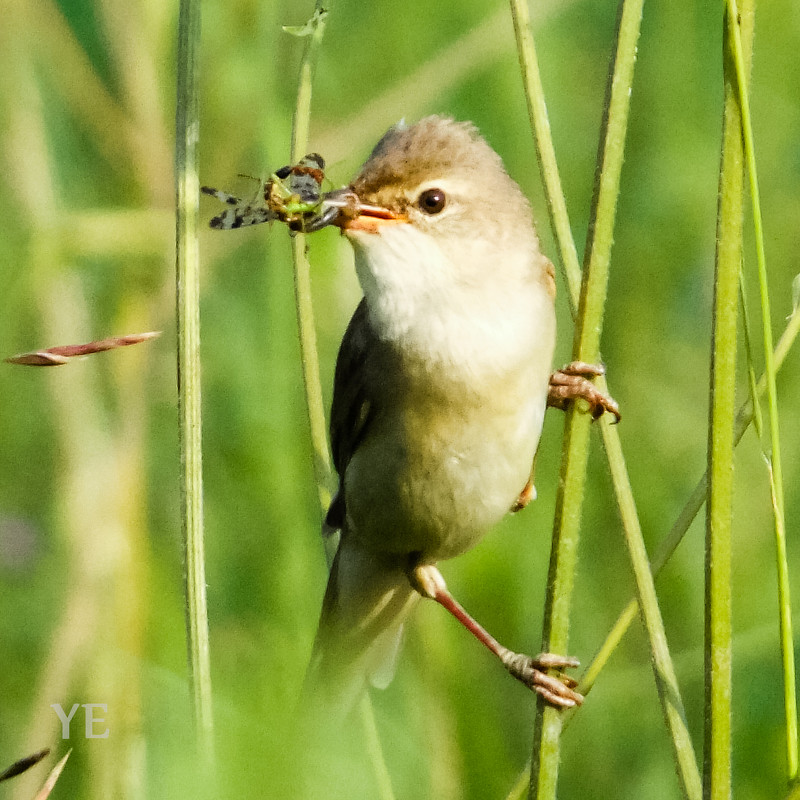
[310,365]
[309,356]
[687,515]
[718,687]
[189,392]
[374,749]
[545,152]
[773,454]
[663,669]
[752,383]
[664,672]
[547,729]
[302,274]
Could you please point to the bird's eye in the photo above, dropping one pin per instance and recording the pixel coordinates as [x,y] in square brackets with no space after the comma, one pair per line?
[432,201]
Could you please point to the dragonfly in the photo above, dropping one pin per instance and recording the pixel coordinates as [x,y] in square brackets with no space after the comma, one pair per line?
[292,194]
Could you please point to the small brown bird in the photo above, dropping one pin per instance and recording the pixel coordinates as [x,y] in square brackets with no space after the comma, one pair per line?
[440,391]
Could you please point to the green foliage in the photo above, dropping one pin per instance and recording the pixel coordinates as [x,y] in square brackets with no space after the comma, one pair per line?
[90,553]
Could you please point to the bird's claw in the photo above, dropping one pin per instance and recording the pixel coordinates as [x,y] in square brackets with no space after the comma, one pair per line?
[558,690]
[573,382]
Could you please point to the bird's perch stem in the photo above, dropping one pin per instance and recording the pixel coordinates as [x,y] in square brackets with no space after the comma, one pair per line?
[586,348]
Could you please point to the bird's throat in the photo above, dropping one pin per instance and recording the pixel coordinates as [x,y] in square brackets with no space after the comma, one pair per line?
[421,299]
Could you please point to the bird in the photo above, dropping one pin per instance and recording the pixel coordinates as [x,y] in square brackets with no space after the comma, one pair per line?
[440,389]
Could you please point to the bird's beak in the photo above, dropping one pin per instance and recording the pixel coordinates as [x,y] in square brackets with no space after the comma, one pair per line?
[372,219]
[344,209]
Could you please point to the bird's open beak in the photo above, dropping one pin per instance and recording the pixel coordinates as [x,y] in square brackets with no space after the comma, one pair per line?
[372,219]
[343,209]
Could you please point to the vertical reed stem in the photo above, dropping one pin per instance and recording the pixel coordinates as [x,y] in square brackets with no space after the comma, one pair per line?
[308,351]
[718,685]
[669,692]
[544,772]
[302,274]
[187,263]
[772,451]
[540,124]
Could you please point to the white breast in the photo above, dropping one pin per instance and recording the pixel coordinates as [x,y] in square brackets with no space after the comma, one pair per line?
[489,315]
[449,453]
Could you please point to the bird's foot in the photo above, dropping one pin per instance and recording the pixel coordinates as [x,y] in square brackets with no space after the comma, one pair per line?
[573,382]
[525,497]
[558,689]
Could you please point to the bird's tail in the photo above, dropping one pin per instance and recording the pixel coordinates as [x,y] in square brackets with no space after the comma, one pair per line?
[367,600]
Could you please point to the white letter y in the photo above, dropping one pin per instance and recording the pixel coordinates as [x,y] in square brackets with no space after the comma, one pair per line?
[64,719]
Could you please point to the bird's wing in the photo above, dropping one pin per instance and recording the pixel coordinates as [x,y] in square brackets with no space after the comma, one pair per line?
[367,601]
[352,405]
[368,596]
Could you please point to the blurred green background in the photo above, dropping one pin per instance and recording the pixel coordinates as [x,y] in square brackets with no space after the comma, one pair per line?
[90,552]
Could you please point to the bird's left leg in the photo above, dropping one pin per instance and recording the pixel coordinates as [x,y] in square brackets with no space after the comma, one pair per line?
[558,690]
[574,381]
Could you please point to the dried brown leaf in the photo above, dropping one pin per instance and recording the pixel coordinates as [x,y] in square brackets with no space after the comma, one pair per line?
[55,356]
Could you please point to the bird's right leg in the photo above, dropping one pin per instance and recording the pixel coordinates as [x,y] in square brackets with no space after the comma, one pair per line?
[558,690]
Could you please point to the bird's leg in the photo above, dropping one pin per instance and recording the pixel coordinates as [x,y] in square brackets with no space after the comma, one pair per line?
[574,381]
[558,690]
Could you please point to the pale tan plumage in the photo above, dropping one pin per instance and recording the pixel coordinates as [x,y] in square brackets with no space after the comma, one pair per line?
[440,388]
